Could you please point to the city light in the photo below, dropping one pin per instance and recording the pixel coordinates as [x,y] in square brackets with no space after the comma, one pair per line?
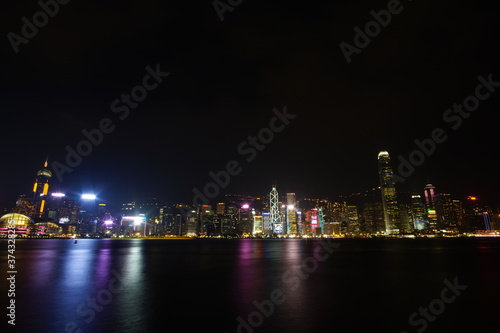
[108,222]
[58,194]
[136,219]
[245,206]
[88,196]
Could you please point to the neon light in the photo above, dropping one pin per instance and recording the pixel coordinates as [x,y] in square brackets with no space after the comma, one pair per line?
[45,189]
[245,206]
[88,196]
[42,206]
[59,195]
[35,187]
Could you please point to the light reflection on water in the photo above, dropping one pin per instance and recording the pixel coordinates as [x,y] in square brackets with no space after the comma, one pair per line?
[207,284]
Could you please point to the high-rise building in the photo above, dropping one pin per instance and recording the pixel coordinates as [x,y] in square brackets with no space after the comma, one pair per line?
[312,226]
[419,214]
[352,220]
[445,212]
[24,206]
[41,191]
[245,221]
[458,214]
[430,206]
[267,225]
[258,225]
[221,208]
[477,215]
[291,214]
[373,215]
[388,192]
[274,210]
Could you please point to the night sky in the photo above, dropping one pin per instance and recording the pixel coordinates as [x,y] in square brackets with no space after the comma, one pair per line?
[226,78]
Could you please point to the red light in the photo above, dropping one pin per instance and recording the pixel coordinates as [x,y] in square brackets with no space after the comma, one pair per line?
[472,198]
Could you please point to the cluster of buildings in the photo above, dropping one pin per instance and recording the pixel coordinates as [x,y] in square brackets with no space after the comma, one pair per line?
[379,211]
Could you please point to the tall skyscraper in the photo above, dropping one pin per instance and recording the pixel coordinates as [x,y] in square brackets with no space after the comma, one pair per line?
[418,212]
[274,211]
[388,191]
[445,212]
[430,205]
[291,214]
[352,220]
[41,190]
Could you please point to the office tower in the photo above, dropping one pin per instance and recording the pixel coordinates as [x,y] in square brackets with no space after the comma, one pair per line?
[419,214]
[430,206]
[166,219]
[405,218]
[274,211]
[245,221]
[267,225]
[24,206]
[352,220]
[291,214]
[258,225]
[192,223]
[41,190]
[221,208]
[207,221]
[444,212]
[312,222]
[388,192]
[373,216]
[477,215]
[458,214]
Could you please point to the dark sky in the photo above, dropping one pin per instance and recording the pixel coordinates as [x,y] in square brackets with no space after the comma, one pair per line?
[225,79]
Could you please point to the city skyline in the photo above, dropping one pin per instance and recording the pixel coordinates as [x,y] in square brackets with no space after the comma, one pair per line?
[381,210]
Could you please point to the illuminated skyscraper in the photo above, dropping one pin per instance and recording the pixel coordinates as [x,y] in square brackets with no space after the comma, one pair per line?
[41,190]
[430,205]
[418,212]
[221,208]
[245,222]
[258,225]
[388,191]
[291,214]
[274,211]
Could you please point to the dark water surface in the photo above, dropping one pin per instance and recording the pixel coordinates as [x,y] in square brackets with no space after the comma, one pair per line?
[371,285]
